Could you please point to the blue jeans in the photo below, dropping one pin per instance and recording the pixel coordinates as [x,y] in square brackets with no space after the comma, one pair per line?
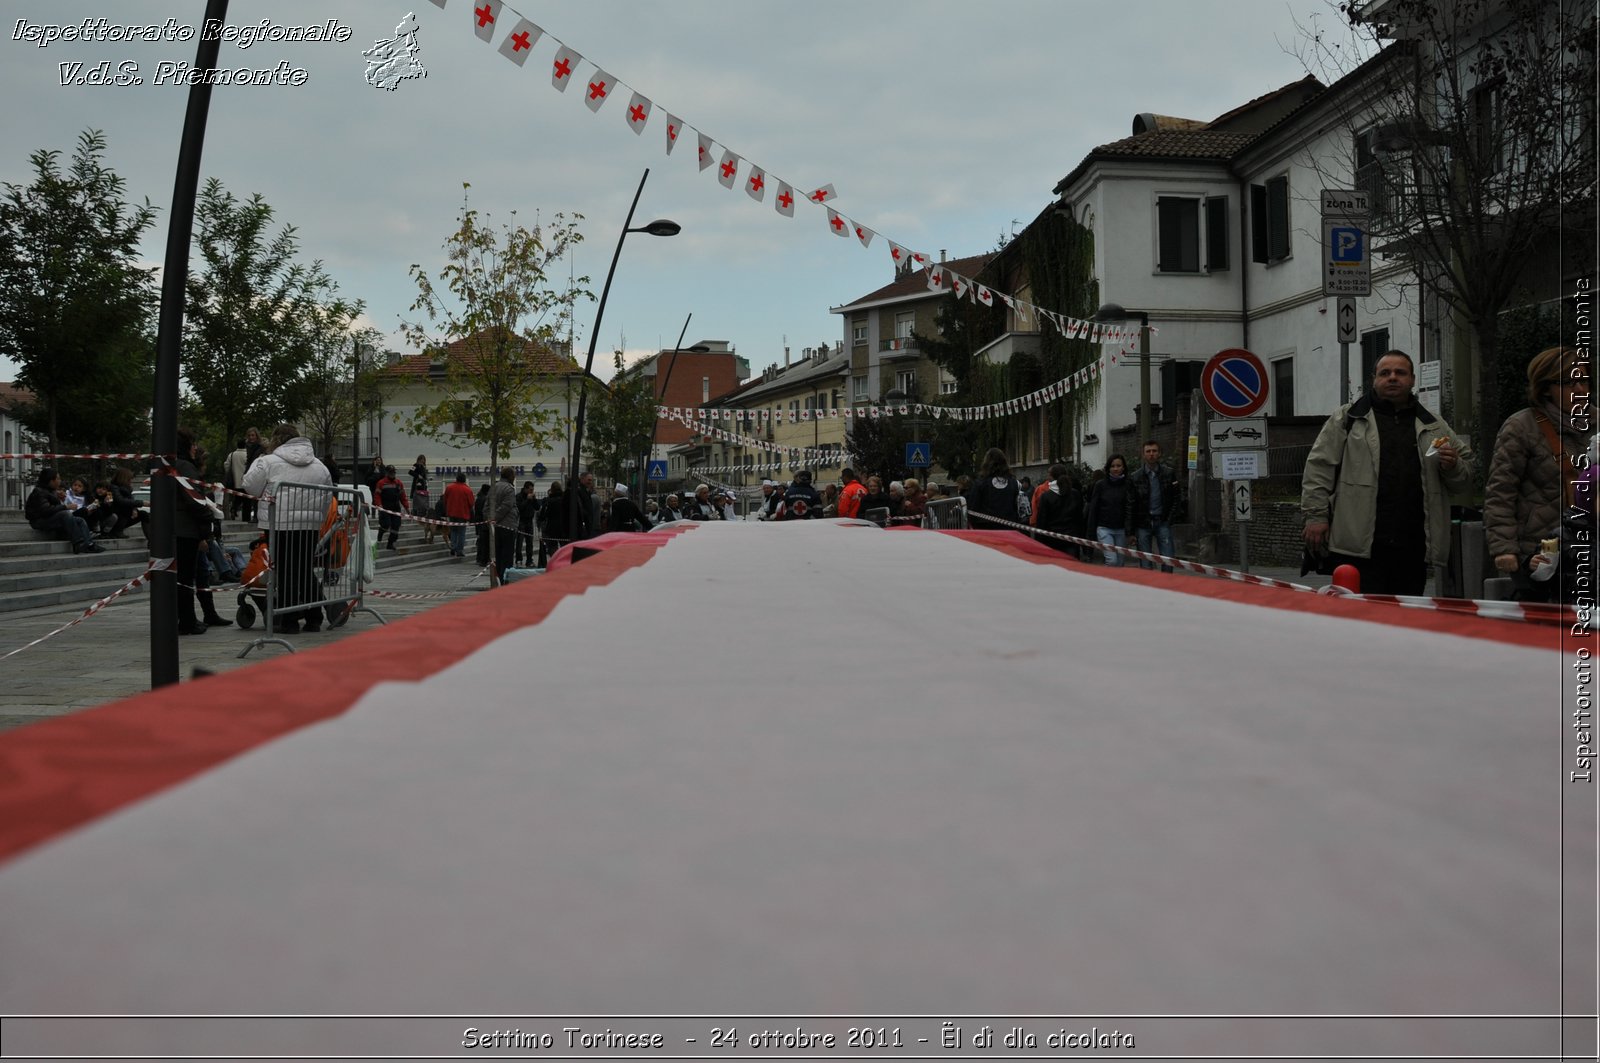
[458,536]
[1112,537]
[1161,532]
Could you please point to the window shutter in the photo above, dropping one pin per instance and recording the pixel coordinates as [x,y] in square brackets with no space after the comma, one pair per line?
[1278,218]
[1216,233]
[1258,223]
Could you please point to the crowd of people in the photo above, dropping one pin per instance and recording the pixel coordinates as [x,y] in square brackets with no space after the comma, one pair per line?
[1376,495]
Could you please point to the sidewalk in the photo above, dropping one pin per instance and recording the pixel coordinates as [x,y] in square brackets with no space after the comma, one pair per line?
[107,657]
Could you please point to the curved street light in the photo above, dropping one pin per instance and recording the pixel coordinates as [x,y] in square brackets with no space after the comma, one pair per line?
[659,227]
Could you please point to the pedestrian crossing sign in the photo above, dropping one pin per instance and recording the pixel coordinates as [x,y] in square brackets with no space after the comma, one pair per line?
[918,455]
[657,470]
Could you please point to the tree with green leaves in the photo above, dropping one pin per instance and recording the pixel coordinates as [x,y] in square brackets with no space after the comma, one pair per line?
[75,306]
[340,371]
[253,311]
[496,312]
[622,424]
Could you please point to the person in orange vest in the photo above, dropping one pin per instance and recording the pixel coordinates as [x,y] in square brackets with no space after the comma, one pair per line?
[851,495]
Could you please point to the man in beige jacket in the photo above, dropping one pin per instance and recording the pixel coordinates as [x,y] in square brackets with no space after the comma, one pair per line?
[1377,484]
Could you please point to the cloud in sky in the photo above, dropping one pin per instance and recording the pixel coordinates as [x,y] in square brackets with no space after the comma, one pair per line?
[942,125]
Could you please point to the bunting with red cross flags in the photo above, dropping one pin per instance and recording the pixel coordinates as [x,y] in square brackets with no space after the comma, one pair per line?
[728,168]
[565,62]
[484,15]
[936,279]
[823,194]
[600,86]
[755,185]
[519,43]
[985,296]
[638,113]
[783,202]
[674,128]
[837,223]
[706,160]
[863,234]
[900,255]
[958,283]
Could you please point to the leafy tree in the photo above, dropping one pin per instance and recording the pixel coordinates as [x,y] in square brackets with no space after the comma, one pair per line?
[253,313]
[1476,142]
[498,306]
[75,308]
[342,365]
[621,423]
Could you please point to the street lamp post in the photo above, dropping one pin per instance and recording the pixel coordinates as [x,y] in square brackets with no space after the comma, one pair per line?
[1113,312]
[660,227]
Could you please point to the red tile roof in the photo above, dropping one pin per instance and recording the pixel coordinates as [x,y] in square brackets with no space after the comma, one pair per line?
[12,396]
[465,352]
[916,282]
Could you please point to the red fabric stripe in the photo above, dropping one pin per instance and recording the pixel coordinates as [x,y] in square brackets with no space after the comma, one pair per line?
[59,774]
[1465,621]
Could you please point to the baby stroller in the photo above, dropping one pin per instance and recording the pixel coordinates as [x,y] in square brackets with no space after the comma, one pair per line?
[332,554]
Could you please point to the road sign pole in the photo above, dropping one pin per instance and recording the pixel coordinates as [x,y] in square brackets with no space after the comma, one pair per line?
[1344,373]
[1244,548]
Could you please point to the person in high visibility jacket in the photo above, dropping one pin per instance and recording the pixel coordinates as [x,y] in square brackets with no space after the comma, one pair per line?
[851,495]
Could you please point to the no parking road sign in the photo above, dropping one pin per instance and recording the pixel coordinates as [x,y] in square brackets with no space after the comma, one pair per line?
[1234,383]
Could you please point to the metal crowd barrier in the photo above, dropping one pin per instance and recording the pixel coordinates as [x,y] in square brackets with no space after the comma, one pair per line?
[946,513]
[315,536]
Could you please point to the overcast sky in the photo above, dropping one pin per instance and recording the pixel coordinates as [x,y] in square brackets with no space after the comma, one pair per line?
[941,125]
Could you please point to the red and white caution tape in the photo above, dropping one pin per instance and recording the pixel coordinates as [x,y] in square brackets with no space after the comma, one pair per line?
[95,457]
[1525,612]
[157,564]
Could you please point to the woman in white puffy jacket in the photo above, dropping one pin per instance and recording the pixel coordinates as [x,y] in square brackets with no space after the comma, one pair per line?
[296,518]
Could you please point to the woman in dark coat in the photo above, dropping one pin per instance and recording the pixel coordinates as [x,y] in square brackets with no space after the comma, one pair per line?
[994,492]
[1061,511]
[1110,508]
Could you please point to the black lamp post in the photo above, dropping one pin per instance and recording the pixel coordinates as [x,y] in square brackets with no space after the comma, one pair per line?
[660,227]
[1111,312]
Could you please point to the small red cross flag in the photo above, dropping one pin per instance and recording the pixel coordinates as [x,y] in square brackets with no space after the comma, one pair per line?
[485,14]
[936,279]
[706,161]
[823,194]
[985,296]
[727,169]
[566,61]
[755,186]
[638,113]
[519,43]
[960,284]
[600,86]
[783,202]
[1012,303]
[864,234]
[838,223]
[918,260]
[674,129]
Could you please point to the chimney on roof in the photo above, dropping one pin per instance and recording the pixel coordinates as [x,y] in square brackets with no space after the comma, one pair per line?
[942,254]
[786,357]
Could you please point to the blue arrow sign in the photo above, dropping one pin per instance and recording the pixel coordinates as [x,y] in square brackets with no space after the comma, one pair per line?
[656,470]
[918,455]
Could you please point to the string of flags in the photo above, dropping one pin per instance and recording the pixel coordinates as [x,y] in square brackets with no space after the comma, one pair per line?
[600,86]
[701,417]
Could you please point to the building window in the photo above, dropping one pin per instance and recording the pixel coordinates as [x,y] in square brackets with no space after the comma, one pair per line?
[1374,345]
[858,388]
[1283,387]
[1269,220]
[1369,171]
[1488,124]
[705,389]
[906,381]
[462,425]
[904,322]
[858,334]
[1186,226]
[836,398]
[949,387]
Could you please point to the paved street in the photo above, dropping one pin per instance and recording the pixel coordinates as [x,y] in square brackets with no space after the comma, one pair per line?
[107,657]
